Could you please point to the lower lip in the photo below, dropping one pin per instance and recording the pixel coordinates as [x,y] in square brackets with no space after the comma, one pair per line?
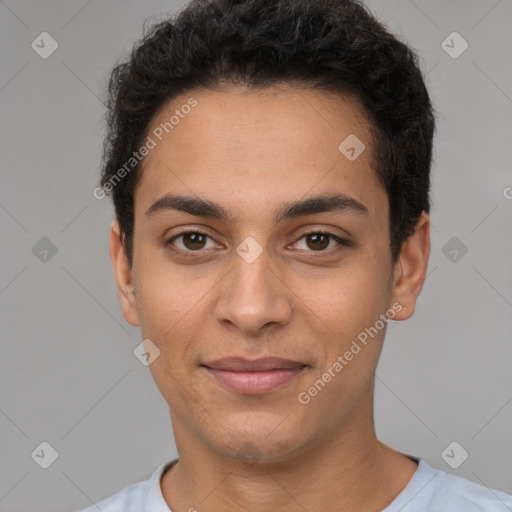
[255,383]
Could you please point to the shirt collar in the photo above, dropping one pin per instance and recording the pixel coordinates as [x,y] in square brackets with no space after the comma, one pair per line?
[154,499]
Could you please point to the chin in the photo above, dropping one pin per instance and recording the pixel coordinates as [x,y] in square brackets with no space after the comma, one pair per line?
[260,442]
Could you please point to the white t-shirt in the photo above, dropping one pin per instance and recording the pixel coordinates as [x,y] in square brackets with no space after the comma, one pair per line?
[429,490]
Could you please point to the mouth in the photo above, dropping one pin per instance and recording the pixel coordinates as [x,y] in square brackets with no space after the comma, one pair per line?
[254,377]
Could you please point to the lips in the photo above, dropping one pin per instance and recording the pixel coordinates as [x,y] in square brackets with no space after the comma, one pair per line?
[239,364]
[254,377]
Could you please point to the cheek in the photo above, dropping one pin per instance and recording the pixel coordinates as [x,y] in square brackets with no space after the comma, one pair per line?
[171,314]
[163,295]
[346,298]
[169,319]
[346,311]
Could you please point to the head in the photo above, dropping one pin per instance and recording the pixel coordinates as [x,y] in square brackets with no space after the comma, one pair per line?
[250,125]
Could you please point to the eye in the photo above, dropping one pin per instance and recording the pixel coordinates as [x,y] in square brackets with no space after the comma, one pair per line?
[189,242]
[318,241]
[192,241]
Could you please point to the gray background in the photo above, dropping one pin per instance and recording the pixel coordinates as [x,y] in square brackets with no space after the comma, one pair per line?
[69,376]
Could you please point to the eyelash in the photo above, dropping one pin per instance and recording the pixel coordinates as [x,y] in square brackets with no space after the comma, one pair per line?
[191,254]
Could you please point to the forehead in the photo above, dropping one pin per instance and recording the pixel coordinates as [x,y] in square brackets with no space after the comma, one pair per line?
[284,114]
[254,148]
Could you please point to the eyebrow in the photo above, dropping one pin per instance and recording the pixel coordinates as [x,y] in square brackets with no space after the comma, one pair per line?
[204,208]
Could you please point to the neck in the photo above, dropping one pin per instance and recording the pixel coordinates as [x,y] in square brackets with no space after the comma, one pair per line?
[346,471]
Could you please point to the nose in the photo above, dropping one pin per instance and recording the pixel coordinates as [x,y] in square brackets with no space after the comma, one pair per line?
[253,297]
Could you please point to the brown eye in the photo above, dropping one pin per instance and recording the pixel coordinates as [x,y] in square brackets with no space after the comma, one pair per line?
[317,241]
[194,241]
[189,242]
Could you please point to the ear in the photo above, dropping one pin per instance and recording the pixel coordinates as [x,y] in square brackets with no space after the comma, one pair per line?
[123,275]
[411,268]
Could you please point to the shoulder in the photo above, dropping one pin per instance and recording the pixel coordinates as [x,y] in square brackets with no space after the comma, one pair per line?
[456,493]
[136,497]
[129,499]
[433,490]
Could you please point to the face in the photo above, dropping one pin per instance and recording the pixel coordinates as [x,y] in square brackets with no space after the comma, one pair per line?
[246,266]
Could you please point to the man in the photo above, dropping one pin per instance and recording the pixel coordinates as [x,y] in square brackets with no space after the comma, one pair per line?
[269,165]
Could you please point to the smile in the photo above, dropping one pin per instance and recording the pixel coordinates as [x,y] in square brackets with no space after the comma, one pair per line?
[254,377]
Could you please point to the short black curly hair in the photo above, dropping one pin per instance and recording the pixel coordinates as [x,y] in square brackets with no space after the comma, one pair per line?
[331,45]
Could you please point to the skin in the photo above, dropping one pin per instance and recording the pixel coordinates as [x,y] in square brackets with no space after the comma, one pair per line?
[301,299]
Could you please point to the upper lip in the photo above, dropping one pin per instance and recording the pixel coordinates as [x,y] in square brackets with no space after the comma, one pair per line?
[240,364]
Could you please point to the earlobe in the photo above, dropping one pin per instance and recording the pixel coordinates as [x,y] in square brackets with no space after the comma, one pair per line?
[411,268]
[123,275]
